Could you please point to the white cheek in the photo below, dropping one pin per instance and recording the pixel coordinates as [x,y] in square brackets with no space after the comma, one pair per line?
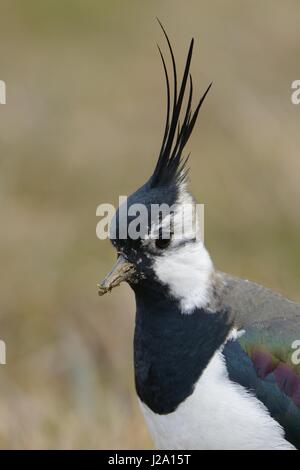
[187,271]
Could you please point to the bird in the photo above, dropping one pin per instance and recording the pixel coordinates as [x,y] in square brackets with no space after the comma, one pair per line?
[216,364]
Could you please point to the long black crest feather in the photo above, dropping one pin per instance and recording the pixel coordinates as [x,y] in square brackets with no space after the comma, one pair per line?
[170,167]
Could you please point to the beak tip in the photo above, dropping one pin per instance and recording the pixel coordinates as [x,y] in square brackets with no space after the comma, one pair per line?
[122,271]
[101,289]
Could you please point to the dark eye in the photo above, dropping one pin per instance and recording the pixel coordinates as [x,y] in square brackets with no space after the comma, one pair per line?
[162,243]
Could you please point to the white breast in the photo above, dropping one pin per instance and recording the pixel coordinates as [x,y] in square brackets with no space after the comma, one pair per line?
[218,415]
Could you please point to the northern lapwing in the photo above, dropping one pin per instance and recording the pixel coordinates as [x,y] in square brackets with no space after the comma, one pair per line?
[215,357]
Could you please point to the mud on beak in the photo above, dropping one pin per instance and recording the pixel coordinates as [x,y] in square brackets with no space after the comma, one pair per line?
[122,271]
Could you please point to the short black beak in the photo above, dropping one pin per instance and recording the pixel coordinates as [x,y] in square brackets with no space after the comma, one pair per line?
[122,271]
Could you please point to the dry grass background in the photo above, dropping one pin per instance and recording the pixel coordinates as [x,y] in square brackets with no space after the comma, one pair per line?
[82,124]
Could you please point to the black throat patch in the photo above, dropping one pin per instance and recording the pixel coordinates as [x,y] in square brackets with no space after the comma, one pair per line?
[172,349]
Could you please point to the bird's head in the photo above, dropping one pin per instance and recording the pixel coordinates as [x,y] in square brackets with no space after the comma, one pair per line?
[157,230]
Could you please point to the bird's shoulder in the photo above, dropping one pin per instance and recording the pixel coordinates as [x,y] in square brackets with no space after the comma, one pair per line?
[251,303]
[270,326]
[265,356]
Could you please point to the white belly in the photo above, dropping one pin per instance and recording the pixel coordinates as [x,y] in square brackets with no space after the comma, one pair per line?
[218,415]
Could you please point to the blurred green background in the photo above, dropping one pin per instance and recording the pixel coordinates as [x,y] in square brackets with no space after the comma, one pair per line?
[82,124]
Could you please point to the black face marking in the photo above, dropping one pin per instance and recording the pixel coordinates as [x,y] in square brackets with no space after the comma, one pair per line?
[136,250]
[171,349]
[162,243]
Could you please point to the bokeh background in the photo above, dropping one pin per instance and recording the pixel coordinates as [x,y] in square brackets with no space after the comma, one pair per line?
[82,124]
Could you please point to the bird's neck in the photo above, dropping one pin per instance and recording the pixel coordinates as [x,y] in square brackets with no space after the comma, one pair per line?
[172,349]
[188,274]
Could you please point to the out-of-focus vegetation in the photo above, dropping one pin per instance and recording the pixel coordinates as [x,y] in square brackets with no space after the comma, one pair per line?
[82,124]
